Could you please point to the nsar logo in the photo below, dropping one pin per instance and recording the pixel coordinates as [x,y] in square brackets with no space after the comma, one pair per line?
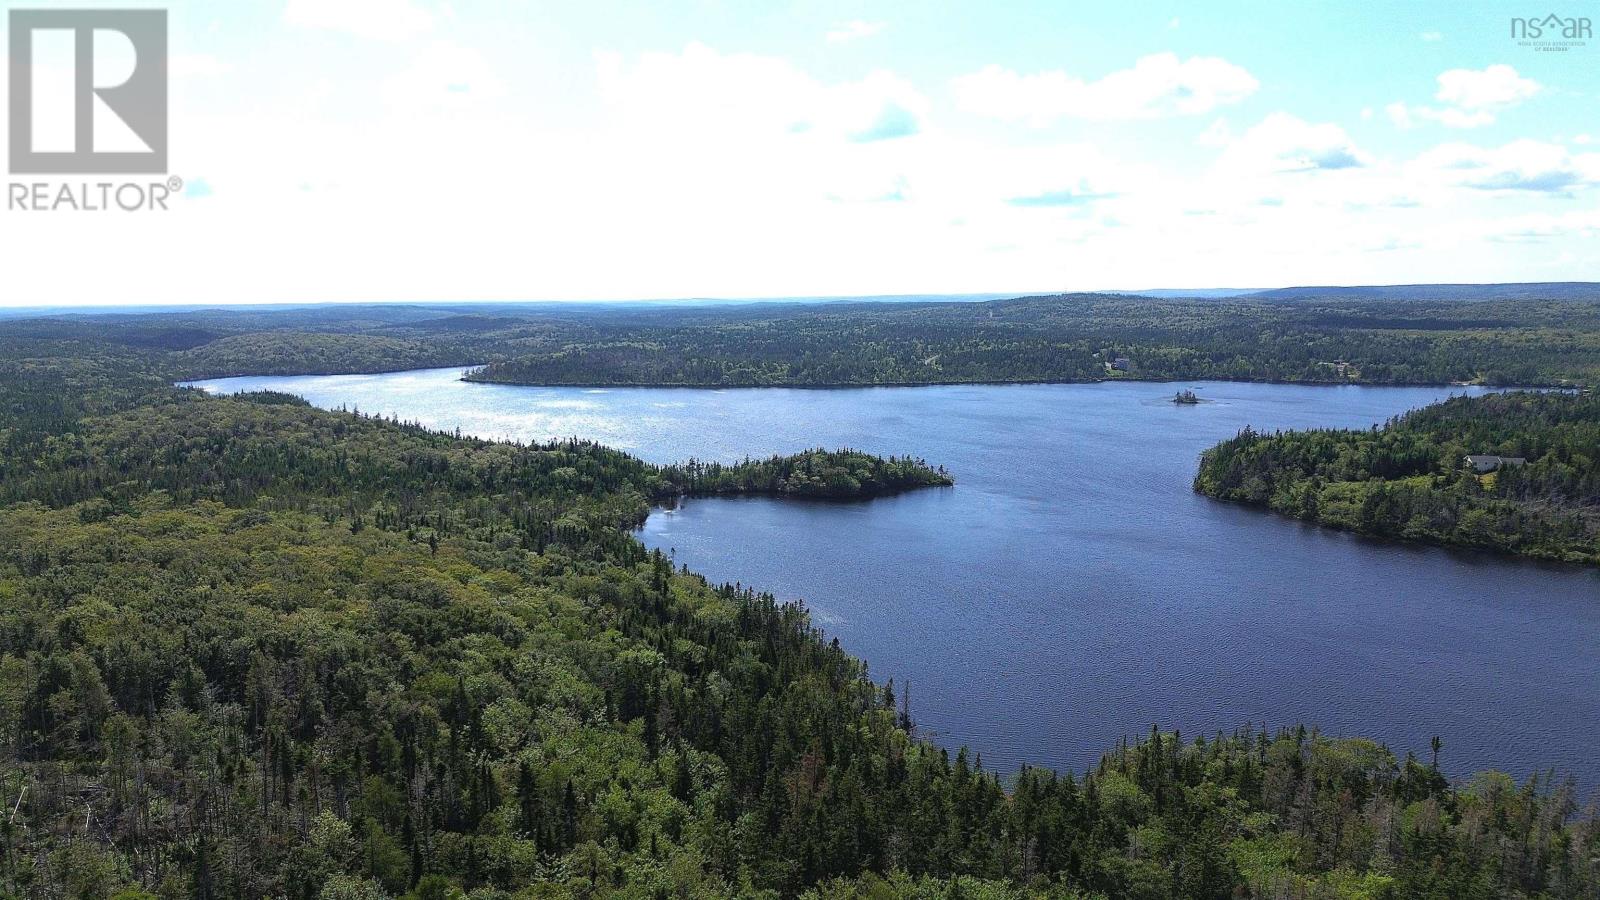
[1552,33]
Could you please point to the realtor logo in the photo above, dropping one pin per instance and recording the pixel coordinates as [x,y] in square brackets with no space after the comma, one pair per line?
[77,108]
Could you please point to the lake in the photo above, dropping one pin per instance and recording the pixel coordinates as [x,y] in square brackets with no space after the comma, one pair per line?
[1071,589]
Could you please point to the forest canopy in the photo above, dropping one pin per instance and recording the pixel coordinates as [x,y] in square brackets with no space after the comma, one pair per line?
[251,648]
[1083,338]
[1535,335]
[1412,479]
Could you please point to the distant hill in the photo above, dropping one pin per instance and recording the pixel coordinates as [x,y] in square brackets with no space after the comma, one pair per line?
[1532,290]
[1190,293]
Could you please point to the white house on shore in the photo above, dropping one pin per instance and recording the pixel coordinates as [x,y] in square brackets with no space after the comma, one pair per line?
[1482,463]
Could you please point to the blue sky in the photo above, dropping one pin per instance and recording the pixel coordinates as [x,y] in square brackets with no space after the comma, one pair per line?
[417,150]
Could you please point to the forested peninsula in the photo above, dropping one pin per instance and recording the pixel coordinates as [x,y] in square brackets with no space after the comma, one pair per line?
[821,474]
[250,648]
[1513,472]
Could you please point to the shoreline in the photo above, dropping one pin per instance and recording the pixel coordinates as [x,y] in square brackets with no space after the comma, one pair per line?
[833,386]
[1383,540]
[991,383]
[850,385]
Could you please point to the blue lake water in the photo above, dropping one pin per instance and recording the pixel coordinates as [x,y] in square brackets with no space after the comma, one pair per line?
[1071,589]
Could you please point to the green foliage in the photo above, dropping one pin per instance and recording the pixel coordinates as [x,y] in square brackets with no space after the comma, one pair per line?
[1068,338]
[253,649]
[841,474]
[1536,335]
[1408,480]
[294,352]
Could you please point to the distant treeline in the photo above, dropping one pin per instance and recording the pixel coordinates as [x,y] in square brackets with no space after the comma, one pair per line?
[1084,338]
[1537,335]
[1410,479]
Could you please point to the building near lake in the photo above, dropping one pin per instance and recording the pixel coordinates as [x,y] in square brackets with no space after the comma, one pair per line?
[1482,463]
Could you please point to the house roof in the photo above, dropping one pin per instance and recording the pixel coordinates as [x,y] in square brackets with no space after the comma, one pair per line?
[1489,459]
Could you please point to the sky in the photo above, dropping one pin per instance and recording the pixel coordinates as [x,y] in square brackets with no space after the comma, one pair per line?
[414,150]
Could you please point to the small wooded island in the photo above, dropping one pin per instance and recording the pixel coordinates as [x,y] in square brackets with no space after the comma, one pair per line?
[823,474]
[1514,472]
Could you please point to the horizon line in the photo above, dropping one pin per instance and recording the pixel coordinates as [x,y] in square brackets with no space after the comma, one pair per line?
[771,298]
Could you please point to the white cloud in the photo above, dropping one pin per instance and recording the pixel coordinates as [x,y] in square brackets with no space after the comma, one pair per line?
[706,92]
[854,30]
[381,20]
[1217,134]
[1520,166]
[1495,87]
[729,174]
[1157,85]
[1539,227]
[1383,243]
[1431,37]
[1409,116]
[1472,98]
[444,76]
[1285,143]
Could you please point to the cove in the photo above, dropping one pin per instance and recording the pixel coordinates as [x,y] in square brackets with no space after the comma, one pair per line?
[1070,589]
